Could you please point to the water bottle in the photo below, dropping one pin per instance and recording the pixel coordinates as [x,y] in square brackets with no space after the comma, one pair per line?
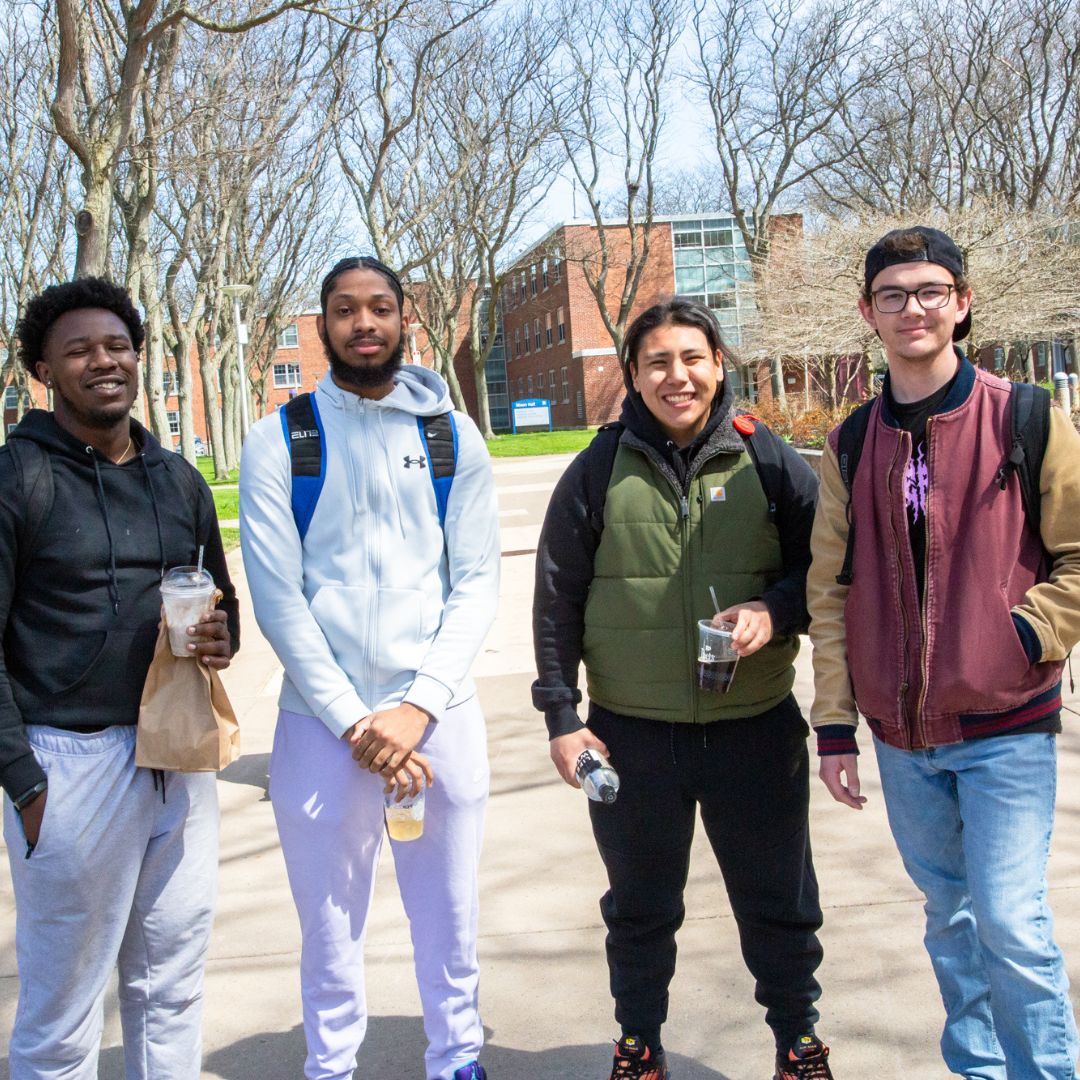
[597,778]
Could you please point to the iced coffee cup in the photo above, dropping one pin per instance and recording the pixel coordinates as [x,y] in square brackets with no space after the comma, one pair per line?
[405,819]
[716,658]
[187,593]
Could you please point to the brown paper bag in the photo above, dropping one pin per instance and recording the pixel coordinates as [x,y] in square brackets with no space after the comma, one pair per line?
[186,723]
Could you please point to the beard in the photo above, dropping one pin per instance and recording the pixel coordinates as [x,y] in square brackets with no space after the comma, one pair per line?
[364,378]
[97,417]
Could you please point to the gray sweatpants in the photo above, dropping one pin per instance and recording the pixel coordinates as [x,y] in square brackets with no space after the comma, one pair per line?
[120,878]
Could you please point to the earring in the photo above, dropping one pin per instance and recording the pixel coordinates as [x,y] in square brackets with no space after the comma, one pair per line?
[48,385]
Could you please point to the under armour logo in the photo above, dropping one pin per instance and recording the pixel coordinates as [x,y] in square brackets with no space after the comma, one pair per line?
[411,461]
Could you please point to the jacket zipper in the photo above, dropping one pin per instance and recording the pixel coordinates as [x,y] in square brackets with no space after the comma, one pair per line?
[376,552]
[920,720]
[684,538]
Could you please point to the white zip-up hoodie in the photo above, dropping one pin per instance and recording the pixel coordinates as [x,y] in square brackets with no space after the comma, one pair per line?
[373,608]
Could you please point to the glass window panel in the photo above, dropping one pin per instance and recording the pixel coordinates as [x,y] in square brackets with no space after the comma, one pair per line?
[687,237]
[717,279]
[718,223]
[688,257]
[720,301]
[742,271]
[718,237]
[689,279]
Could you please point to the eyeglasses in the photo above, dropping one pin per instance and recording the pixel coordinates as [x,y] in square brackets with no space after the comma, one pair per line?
[892,299]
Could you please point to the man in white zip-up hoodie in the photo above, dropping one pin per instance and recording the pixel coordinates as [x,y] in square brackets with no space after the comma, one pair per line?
[376,615]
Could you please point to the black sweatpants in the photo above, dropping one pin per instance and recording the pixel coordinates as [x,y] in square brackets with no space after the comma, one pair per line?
[751,779]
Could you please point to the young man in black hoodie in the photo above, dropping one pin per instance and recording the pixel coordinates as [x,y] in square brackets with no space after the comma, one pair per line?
[112,865]
[686,520]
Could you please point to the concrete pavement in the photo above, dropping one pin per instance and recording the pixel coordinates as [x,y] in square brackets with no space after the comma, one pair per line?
[544,986]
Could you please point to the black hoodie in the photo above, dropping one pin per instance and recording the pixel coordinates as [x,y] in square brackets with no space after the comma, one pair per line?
[80,624]
[564,557]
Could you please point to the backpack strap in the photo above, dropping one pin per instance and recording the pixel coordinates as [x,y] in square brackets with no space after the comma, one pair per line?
[764,449]
[439,436]
[34,470]
[1030,427]
[602,451]
[307,453]
[849,446]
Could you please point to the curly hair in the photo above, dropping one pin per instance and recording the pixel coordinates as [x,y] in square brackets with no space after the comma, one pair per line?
[44,309]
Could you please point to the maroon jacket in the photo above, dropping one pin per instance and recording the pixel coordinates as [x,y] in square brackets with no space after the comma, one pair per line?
[928,678]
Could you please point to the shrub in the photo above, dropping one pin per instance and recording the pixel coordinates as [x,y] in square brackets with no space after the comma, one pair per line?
[807,427]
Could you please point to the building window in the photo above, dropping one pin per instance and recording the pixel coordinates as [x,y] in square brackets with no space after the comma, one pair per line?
[539,380]
[562,327]
[999,358]
[556,268]
[544,273]
[536,333]
[11,427]
[517,341]
[580,397]
[168,383]
[11,397]
[565,386]
[522,279]
[174,423]
[530,386]
[286,375]
[551,381]
[547,330]
[532,278]
[521,387]
[289,338]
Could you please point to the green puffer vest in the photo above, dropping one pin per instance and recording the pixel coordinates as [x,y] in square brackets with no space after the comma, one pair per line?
[652,571]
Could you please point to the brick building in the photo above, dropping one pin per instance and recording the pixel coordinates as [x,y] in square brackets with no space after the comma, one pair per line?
[557,346]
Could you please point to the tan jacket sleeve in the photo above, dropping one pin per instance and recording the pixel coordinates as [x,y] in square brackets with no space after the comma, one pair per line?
[1052,608]
[834,702]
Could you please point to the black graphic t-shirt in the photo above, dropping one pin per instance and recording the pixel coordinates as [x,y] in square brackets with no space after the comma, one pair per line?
[912,417]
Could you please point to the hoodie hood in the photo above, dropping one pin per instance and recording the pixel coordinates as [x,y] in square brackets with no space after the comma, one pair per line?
[418,391]
[41,427]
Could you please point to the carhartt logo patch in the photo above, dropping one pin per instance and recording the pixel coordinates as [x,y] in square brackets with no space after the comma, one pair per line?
[717,494]
[411,461]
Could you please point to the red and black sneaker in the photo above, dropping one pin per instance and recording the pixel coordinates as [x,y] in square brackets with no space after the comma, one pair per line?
[808,1059]
[635,1061]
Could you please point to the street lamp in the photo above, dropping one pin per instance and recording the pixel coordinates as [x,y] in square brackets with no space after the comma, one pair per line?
[236,291]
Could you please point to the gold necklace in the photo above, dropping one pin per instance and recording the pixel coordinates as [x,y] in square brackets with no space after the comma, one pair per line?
[123,457]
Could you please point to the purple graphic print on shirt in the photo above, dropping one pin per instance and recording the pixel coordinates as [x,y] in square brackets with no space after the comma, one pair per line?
[916,479]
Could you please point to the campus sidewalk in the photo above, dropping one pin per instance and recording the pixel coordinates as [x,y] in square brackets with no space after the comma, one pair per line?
[544,985]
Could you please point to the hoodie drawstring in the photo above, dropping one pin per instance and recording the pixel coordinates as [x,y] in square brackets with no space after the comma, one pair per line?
[114,588]
[157,515]
[159,774]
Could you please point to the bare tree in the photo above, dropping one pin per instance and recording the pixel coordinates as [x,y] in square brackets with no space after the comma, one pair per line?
[618,61]
[776,74]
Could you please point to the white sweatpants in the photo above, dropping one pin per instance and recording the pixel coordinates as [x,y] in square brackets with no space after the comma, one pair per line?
[119,878]
[329,815]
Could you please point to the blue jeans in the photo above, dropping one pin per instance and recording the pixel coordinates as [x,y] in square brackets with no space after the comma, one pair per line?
[973,822]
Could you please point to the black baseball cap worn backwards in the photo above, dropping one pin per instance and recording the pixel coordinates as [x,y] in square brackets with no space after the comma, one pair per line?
[938,248]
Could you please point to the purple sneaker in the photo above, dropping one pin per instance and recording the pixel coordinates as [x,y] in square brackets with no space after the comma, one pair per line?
[473,1071]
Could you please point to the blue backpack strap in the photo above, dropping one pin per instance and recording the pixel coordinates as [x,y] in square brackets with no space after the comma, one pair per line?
[440,439]
[307,452]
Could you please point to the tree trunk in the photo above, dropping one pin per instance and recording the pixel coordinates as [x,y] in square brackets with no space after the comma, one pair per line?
[483,407]
[208,372]
[92,226]
[153,387]
[776,370]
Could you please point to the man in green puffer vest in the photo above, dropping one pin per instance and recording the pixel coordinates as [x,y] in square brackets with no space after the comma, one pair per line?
[685,515]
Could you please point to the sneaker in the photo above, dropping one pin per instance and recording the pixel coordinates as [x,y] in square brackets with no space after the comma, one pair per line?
[473,1071]
[808,1059]
[635,1061]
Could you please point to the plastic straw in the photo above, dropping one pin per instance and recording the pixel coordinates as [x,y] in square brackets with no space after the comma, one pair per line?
[202,549]
[712,591]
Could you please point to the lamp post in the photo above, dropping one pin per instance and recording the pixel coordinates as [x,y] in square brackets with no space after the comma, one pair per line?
[236,291]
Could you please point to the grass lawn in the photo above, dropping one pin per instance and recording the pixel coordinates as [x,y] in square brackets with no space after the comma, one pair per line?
[227,503]
[540,442]
[206,467]
[230,538]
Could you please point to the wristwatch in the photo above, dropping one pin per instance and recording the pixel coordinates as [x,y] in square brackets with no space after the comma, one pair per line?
[27,797]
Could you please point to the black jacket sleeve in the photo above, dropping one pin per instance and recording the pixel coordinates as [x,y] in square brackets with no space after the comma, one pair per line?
[209,534]
[19,769]
[786,599]
[564,571]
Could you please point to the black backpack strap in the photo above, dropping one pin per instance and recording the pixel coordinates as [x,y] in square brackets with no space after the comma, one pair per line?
[1030,427]
[849,446]
[764,449]
[602,451]
[36,482]
[307,457]
[439,437]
